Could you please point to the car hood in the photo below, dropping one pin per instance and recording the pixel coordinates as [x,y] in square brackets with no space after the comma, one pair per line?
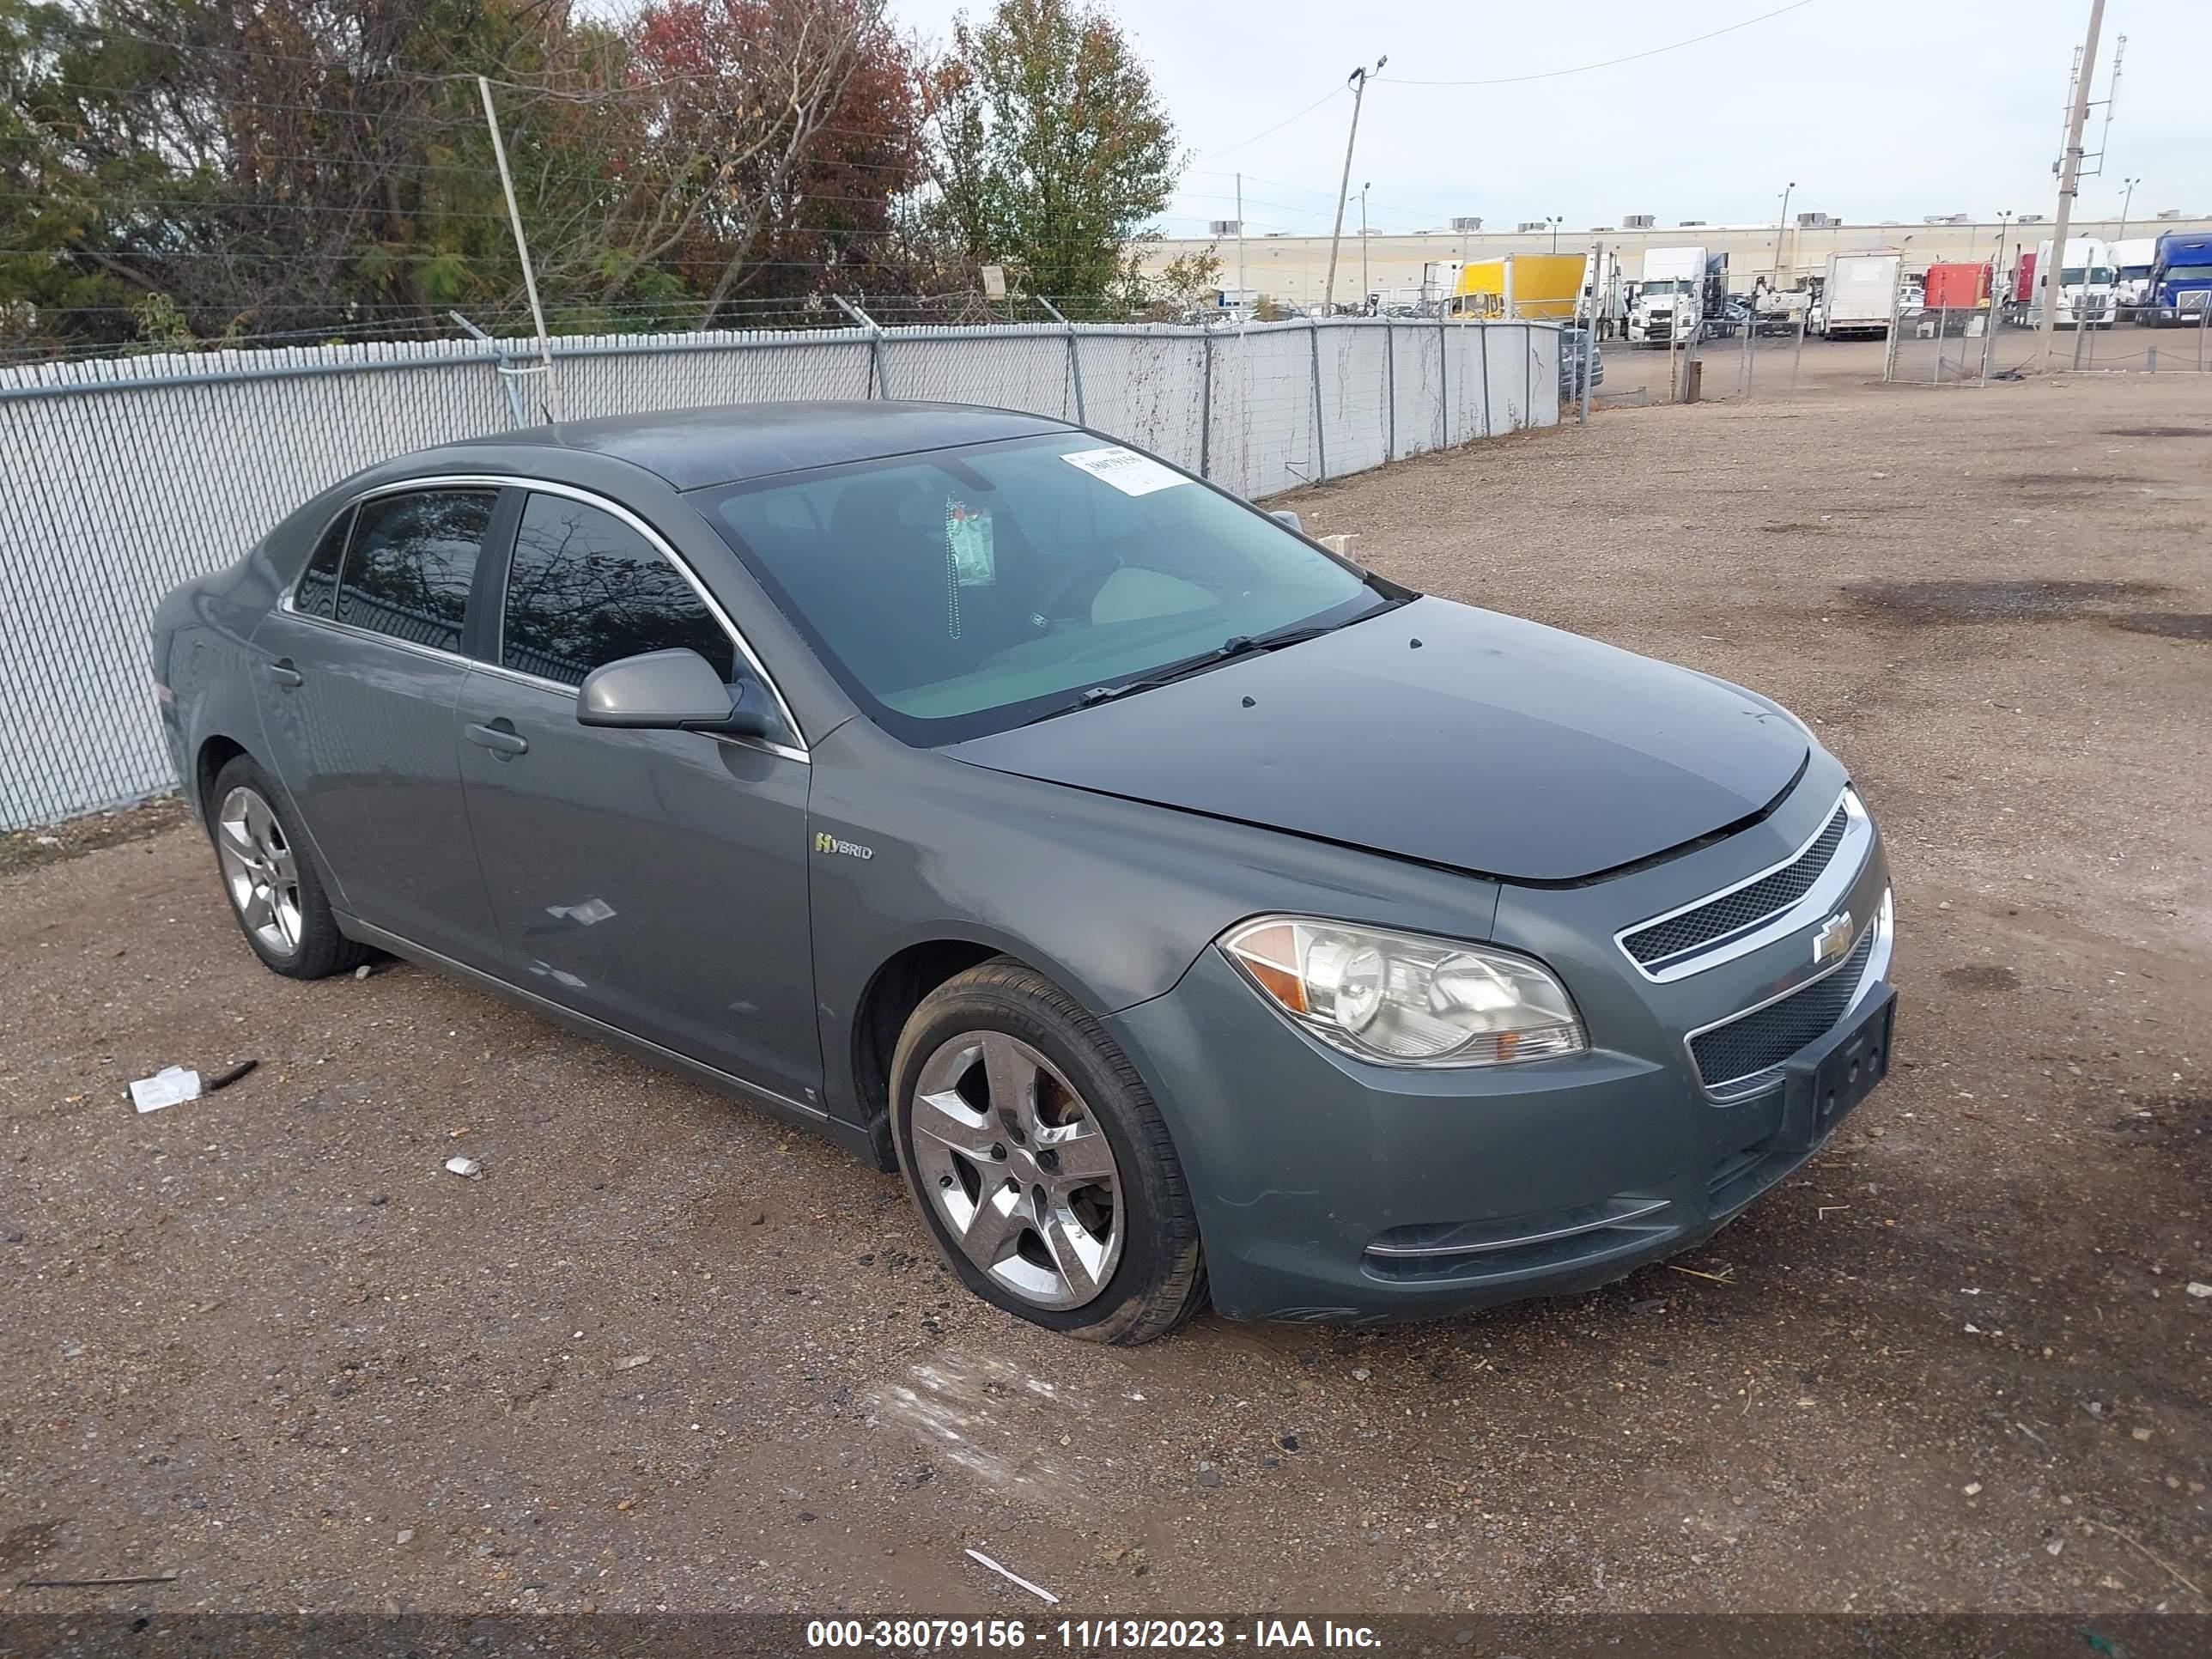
[1494,745]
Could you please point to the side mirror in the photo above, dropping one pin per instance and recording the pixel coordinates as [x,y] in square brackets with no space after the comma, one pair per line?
[1285,516]
[668,691]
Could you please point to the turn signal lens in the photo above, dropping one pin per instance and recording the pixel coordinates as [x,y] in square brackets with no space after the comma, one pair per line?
[1406,998]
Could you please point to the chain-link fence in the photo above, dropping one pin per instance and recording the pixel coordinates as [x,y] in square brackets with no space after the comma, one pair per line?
[121,477]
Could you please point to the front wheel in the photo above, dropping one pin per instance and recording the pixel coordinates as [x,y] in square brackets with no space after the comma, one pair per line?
[1039,1161]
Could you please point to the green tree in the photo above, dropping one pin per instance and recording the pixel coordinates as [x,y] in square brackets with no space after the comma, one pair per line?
[1049,149]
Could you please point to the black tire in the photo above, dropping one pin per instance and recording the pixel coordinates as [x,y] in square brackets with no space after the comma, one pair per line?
[322,950]
[1159,1282]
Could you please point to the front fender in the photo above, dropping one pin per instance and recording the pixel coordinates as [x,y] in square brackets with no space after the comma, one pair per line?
[1112,899]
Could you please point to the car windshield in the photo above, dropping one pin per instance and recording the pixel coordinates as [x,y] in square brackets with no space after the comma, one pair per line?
[969,590]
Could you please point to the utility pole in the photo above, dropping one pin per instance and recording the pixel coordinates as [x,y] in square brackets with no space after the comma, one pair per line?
[2069,183]
[1358,81]
[1556,220]
[521,249]
[1365,290]
[1782,229]
[1241,289]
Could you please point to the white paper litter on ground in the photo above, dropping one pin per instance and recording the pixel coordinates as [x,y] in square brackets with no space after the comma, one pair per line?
[467,1168]
[1125,470]
[1014,1577]
[167,1087]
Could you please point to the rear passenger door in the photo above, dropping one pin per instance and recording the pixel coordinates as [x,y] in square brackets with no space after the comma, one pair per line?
[357,675]
[655,880]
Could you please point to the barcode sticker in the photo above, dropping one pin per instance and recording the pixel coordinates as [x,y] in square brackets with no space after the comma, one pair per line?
[1125,470]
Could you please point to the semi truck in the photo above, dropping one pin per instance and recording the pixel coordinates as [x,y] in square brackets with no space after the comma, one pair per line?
[2132,258]
[2085,283]
[2180,280]
[1681,288]
[1957,286]
[1858,296]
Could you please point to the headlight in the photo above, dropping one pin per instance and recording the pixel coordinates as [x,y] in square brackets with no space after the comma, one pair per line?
[1406,1000]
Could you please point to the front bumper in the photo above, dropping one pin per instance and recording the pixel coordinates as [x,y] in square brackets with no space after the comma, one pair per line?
[1329,1189]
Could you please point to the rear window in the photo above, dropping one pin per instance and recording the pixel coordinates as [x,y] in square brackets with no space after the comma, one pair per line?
[412,560]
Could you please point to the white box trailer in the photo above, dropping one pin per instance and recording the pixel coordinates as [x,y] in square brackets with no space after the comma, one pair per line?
[1859,296]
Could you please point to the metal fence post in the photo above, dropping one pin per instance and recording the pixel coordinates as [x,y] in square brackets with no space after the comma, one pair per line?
[1075,362]
[505,373]
[1482,350]
[1321,441]
[1390,390]
[1205,403]
[1896,304]
[1443,379]
[1527,375]
[2204,316]
[882,381]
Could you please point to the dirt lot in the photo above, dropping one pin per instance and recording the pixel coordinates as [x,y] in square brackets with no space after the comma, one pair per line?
[666,1355]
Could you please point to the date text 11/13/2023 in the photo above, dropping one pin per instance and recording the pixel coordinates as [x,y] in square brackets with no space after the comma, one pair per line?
[1090,1635]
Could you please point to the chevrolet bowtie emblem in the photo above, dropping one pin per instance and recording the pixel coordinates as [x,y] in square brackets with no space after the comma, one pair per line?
[1833,940]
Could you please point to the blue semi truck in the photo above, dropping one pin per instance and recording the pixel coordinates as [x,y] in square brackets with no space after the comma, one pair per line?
[2180,280]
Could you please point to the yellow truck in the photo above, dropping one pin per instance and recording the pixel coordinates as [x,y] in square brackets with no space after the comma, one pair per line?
[1545,285]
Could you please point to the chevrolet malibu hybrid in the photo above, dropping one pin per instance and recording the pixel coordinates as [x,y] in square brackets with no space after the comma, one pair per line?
[1184,912]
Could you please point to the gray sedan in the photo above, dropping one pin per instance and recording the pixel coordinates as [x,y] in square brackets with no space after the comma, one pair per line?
[1184,912]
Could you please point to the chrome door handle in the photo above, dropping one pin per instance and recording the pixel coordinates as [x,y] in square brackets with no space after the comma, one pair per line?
[283,673]
[502,741]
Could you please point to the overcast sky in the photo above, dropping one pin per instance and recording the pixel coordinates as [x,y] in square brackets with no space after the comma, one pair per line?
[1878,109]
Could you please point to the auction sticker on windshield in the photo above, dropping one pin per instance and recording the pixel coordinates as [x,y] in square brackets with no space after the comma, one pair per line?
[1125,470]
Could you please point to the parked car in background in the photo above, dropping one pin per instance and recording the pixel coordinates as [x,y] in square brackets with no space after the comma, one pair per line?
[1577,347]
[1178,908]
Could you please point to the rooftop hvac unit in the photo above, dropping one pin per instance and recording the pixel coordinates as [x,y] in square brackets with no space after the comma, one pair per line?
[1946,219]
[2169,213]
[1815,221]
[1688,224]
[1466,224]
[1225,228]
[1638,221]
[2031,218]
[1534,224]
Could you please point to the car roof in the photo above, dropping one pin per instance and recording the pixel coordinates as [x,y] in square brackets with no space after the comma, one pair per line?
[692,448]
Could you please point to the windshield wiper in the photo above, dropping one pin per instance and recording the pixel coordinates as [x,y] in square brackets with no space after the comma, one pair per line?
[1242,645]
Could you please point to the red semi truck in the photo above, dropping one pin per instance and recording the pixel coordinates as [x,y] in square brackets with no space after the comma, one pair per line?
[1958,287]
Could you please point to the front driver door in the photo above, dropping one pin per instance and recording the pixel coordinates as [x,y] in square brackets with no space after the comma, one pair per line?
[655,880]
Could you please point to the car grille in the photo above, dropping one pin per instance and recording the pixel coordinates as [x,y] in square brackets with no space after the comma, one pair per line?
[1760,1041]
[1745,907]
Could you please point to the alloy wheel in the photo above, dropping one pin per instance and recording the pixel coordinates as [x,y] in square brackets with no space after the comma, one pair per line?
[259,870]
[1017,1169]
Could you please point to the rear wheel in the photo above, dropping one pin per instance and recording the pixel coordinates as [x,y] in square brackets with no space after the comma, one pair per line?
[274,889]
[1040,1162]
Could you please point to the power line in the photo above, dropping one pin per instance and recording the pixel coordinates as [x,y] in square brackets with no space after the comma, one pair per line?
[1215,154]
[1610,63]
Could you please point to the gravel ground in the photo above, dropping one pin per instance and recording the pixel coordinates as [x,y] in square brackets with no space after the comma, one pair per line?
[666,1354]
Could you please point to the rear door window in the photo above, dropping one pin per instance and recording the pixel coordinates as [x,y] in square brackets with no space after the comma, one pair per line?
[412,558]
[585,589]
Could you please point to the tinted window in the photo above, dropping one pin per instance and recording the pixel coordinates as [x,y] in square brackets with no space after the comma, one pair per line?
[412,560]
[585,589]
[963,592]
[318,591]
